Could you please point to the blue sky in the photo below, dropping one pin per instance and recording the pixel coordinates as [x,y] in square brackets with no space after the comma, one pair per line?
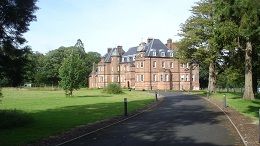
[101,24]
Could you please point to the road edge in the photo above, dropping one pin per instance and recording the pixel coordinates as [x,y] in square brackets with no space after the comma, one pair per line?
[230,120]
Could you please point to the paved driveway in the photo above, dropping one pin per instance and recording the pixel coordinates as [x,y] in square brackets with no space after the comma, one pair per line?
[180,120]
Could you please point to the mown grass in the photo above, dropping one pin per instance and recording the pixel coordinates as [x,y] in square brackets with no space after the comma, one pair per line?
[54,113]
[249,108]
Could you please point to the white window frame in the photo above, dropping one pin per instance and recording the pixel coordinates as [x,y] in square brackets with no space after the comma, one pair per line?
[163,54]
[154,64]
[162,79]
[154,53]
[182,77]
[193,78]
[141,78]
[142,64]
[163,64]
[166,77]
[154,77]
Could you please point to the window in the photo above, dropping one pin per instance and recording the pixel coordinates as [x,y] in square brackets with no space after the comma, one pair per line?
[118,79]
[154,53]
[163,64]
[137,78]
[162,78]
[112,69]
[182,65]
[112,79]
[137,64]
[182,77]
[172,65]
[187,65]
[118,68]
[154,64]
[154,77]
[187,77]
[166,77]
[171,54]
[141,78]
[141,64]
[163,54]
[141,55]
[193,78]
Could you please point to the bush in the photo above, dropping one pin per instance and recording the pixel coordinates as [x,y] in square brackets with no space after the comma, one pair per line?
[113,88]
[14,118]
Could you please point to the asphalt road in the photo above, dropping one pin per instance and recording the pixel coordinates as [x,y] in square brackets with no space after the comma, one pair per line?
[180,120]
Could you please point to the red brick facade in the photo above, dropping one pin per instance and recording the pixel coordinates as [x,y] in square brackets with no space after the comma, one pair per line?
[150,66]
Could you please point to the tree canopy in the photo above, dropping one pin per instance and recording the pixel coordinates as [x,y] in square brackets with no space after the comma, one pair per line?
[224,35]
[15,19]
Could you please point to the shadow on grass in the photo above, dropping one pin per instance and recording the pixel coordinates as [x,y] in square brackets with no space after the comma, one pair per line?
[55,121]
[253,109]
[10,119]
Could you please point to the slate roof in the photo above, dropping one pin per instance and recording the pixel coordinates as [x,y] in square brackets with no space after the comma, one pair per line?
[131,51]
[157,46]
[153,49]
[113,52]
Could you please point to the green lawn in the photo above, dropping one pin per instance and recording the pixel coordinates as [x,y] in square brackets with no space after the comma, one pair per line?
[54,113]
[249,108]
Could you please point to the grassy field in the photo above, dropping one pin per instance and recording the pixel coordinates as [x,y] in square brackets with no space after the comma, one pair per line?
[249,108]
[54,113]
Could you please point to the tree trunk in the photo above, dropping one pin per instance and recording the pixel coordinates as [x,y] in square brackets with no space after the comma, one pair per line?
[248,93]
[212,78]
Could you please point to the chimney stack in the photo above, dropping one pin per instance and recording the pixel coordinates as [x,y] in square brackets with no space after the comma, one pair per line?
[169,43]
[149,40]
[109,49]
[120,50]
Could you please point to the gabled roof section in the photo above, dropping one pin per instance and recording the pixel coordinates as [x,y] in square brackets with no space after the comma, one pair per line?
[113,52]
[132,51]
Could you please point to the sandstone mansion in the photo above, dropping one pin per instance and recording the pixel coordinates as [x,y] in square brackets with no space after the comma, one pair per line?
[149,66]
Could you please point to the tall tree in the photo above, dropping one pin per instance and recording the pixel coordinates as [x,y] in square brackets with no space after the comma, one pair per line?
[197,44]
[72,72]
[15,19]
[244,17]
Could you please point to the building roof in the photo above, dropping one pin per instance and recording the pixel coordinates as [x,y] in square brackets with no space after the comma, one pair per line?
[157,49]
[131,51]
[113,52]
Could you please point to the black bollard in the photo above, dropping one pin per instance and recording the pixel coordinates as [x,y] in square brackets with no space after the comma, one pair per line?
[125,106]
[156,96]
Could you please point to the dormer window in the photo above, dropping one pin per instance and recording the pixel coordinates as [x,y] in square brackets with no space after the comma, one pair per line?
[171,54]
[163,54]
[154,53]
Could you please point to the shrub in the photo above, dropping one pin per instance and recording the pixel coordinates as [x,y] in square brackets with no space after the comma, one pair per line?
[113,88]
[14,118]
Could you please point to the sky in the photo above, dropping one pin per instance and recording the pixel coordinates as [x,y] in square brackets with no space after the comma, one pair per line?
[102,24]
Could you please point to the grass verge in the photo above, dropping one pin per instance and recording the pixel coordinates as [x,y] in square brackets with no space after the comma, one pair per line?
[249,108]
[53,113]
